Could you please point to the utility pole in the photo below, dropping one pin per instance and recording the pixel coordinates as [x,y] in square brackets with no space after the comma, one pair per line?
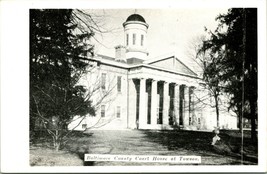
[243,81]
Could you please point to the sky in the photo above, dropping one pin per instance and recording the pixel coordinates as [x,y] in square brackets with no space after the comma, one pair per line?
[170,30]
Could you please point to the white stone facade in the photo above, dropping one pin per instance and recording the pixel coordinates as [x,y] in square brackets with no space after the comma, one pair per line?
[137,93]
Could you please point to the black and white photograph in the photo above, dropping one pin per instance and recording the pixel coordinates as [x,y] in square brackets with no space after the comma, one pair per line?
[142,87]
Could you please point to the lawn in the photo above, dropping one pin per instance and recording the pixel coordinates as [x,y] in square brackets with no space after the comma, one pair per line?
[141,142]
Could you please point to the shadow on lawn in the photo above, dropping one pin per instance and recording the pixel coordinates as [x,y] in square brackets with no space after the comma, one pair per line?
[78,144]
[75,143]
[177,140]
[200,143]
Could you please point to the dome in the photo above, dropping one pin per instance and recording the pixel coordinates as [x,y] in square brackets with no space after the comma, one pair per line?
[135,17]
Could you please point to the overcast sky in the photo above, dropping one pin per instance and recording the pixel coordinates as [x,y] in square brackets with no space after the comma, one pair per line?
[170,30]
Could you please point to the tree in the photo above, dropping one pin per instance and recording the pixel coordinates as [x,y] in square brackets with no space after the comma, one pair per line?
[243,31]
[209,63]
[235,42]
[212,78]
[57,61]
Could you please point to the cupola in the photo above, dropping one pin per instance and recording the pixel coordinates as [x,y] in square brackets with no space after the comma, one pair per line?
[135,37]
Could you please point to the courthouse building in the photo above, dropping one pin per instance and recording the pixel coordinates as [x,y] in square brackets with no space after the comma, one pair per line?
[132,91]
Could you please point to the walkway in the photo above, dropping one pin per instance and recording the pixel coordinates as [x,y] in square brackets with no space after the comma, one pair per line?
[135,142]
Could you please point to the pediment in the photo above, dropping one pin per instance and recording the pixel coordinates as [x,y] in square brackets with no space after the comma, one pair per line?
[172,63]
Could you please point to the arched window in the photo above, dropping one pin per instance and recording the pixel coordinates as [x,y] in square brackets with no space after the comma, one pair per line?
[127,39]
[142,40]
[134,38]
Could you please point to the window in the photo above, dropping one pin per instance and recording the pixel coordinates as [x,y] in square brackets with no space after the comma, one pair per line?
[103,81]
[119,83]
[134,37]
[127,39]
[84,126]
[198,120]
[118,112]
[142,40]
[102,110]
[190,119]
[191,99]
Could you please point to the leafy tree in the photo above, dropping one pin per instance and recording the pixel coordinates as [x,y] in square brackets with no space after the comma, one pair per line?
[242,45]
[211,62]
[209,69]
[57,50]
[234,44]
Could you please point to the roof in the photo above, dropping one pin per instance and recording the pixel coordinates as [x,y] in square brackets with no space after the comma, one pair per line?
[106,57]
[135,17]
[147,64]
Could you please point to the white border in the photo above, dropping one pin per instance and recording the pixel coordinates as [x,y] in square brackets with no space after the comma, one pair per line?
[15,77]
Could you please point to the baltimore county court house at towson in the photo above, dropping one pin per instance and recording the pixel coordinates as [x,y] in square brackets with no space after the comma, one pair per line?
[132,91]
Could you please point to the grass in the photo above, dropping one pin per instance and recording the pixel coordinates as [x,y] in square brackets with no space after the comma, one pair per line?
[42,156]
[200,143]
[138,142]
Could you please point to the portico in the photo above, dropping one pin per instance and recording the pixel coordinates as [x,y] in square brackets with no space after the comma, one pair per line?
[161,102]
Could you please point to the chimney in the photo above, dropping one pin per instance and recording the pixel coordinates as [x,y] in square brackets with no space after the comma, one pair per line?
[120,53]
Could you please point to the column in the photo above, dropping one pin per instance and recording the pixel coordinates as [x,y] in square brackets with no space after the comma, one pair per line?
[186,106]
[154,98]
[176,104]
[166,103]
[132,99]
[142,104]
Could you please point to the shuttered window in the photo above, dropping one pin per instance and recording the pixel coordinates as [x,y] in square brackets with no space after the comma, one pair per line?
[119,83]
[103,111]
[118,112]
[103,80]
